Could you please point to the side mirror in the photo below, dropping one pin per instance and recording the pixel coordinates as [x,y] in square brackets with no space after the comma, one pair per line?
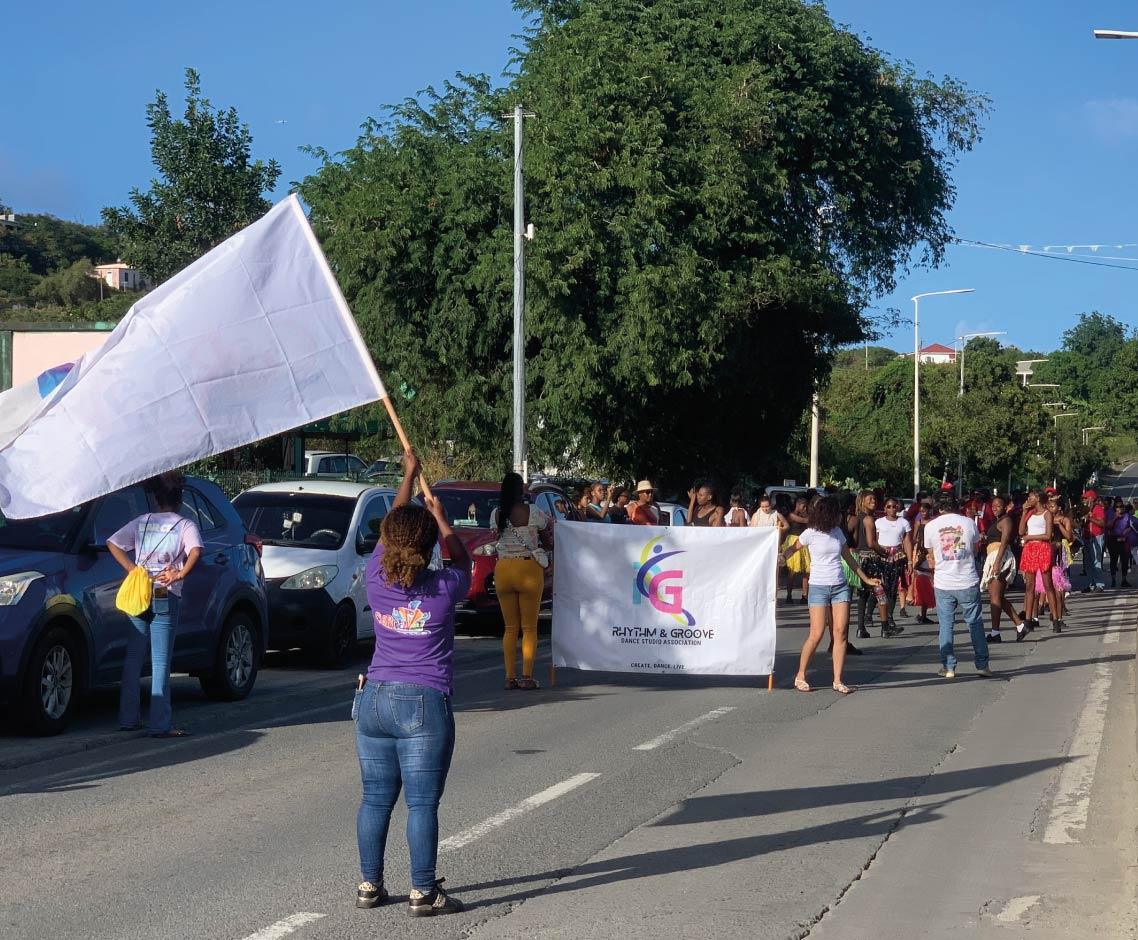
[366,544]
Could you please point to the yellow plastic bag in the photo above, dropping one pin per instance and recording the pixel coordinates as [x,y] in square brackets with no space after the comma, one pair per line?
[134,593]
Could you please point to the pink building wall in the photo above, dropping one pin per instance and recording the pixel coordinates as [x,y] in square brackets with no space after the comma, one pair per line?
[33,353]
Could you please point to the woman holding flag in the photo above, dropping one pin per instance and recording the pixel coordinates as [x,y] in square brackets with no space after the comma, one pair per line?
[402,709]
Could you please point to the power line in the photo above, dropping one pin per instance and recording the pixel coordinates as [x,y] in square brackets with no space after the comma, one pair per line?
[1050,257]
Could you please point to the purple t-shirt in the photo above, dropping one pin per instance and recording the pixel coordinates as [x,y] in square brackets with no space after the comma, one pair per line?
[159,540]
[414,629]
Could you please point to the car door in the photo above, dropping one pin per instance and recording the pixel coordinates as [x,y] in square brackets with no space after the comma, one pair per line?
[110,627]
[206,586]
[371,516]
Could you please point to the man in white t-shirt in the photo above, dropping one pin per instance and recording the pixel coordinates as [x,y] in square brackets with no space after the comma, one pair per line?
[951,540]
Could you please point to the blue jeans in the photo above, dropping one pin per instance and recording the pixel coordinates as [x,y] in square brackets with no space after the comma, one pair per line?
[161,624]
[971,609]
[404,738]
[1092,560]
[824,595]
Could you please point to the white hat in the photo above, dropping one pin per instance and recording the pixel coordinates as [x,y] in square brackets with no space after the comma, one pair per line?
[644,486]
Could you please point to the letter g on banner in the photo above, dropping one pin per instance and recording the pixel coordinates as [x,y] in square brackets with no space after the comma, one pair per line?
[663,589]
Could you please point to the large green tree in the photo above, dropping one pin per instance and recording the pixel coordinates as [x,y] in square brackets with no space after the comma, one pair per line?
[718,186]
[1083,367]
[208,185]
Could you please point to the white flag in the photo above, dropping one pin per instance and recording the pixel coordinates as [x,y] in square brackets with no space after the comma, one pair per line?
[252,339]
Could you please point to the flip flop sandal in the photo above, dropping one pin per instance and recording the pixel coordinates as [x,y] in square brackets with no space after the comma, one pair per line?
[527,684]
[511,684]
[843,689]
[802,685]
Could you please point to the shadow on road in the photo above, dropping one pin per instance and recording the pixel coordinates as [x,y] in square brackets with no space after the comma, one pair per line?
[952,786]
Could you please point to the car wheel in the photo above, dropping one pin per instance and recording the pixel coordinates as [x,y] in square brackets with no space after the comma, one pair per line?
[336,648]
[51,682]
[237,661]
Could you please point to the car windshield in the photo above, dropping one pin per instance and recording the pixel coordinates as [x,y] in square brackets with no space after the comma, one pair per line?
[45,533]
[301,520]
[468,508]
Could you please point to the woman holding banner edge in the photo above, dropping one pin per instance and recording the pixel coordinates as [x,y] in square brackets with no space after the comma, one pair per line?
[829,591]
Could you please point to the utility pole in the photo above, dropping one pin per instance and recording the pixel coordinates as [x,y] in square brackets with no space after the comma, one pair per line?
[518,116]
[917,377]
[824,214]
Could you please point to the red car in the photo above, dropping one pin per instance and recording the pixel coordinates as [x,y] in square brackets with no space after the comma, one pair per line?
[469,505]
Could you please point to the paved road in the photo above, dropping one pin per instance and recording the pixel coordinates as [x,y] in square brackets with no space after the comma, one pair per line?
[617,805]
[1122,483]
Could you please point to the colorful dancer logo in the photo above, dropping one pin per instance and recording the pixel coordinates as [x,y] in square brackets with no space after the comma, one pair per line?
[408,619]
[664,590]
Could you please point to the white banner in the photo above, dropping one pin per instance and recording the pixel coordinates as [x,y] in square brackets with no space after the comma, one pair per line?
[631,598]
[252,339]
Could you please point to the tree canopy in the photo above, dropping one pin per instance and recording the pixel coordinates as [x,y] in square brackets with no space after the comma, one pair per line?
[996,431]
[208,186]
[718,186]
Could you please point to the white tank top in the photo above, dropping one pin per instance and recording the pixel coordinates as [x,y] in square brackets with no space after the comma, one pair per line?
[1037,524]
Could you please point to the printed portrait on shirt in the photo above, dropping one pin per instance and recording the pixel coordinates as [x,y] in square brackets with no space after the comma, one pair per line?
[950,543]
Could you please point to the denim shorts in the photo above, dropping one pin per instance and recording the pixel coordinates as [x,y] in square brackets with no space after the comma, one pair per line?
[823,595]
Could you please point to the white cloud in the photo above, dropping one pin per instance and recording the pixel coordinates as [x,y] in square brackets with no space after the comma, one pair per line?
[1113,118]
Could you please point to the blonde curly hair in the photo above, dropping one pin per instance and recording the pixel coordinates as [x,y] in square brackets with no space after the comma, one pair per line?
[409,535]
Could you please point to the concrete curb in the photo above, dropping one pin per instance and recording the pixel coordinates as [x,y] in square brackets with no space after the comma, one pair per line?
[68,747]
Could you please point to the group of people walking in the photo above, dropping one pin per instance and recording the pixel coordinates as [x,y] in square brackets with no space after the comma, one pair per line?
[927,556]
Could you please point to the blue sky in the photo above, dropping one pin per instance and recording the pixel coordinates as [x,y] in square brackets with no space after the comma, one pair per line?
[1055,167]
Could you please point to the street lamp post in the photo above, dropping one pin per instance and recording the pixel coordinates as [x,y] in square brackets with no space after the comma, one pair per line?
[1115,34]
[521,234]
[1087,433]
[917,378]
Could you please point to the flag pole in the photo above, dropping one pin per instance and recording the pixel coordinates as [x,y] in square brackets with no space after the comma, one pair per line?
[403,438]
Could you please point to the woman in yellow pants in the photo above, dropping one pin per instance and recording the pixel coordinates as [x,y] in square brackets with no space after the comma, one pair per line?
[525,539]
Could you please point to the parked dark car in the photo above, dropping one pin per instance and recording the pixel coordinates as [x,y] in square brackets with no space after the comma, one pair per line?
[61,633]
[469,505]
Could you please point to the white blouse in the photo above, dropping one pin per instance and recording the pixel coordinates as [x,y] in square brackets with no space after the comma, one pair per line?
[520,541]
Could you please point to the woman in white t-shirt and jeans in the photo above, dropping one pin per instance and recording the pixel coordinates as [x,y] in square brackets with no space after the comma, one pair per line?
[829,592]
[168,546]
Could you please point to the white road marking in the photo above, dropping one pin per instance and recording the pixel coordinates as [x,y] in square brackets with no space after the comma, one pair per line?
[1015,909]
[676,732]
[1072,801]
[282,928]
[1113,631]
[474,833]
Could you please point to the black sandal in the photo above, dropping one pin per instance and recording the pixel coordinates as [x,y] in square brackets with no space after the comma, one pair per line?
[528,684]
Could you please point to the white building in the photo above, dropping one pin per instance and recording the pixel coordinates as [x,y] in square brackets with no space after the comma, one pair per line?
[936,354]
[121,276]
